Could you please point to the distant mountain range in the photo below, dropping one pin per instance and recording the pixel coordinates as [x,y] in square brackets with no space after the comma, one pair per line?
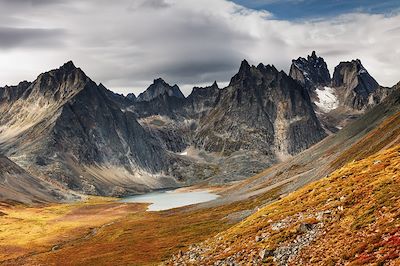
[77,136]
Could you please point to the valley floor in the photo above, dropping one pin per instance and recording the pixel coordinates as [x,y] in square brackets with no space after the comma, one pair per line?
[102,231]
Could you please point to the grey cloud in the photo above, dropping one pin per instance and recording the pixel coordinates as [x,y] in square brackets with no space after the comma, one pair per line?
[155,4]
[127,43]
[28,37]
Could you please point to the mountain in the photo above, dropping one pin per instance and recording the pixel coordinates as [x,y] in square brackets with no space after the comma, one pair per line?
[355,86]
[159,87]
[262,117]
[66,128]
[261,109]
[311,72]
[337,101]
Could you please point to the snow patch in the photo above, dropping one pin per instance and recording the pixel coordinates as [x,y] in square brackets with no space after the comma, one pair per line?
[327,100]
[183,153]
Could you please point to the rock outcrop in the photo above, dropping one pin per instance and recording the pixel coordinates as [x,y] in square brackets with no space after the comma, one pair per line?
[202,100]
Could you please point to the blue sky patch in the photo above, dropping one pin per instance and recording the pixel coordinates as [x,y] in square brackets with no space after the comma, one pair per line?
[306,9]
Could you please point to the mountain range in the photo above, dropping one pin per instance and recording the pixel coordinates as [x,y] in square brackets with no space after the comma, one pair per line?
[81,138]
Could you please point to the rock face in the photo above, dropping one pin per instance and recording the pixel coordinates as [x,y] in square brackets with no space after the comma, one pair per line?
[261,109]
[202,100]
[70,128]
[159,88]
[357,88]
[311,72]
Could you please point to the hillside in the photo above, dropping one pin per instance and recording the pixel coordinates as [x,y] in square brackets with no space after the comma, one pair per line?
[351,216]
[16,185]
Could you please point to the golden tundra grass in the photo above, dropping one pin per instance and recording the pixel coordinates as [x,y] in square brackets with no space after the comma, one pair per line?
[364,227]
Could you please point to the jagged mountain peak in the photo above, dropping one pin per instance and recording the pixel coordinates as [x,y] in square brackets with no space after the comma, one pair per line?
[313,56]
[273,105]
[348,73]
[311,72]
[252,73]
[355,65]
[244,65]
[68,66]
[203,90]
[160,81]
[356,85]
[160,87]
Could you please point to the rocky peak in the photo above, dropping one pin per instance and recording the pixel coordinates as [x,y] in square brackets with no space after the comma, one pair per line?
[68,66]
[204,90]
[131,97]
[345,72]
[160,87]
[244,66]
[311,72]
[354,83]
[52,86]
[313,57]
[253,75]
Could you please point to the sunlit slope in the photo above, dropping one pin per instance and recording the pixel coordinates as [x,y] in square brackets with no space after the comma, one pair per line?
[353,215]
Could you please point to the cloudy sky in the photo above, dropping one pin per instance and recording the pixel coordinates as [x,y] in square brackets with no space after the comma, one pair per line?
[125,44]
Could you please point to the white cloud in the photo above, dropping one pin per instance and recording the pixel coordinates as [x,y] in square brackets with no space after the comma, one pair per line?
[126,44]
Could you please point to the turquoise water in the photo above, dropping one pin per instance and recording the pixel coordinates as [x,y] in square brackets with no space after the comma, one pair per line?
[165,200]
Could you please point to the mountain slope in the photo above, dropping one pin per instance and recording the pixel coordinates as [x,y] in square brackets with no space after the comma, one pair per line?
[17,185]
[356,208]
